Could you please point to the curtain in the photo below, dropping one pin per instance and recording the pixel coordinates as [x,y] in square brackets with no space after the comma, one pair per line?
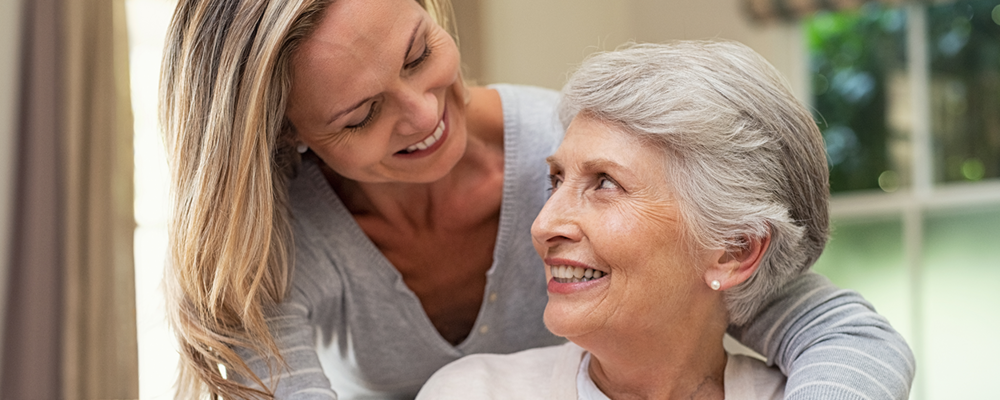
[69,329]
[766,10]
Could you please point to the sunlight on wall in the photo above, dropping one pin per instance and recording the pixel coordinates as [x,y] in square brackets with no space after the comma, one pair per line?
[158,357]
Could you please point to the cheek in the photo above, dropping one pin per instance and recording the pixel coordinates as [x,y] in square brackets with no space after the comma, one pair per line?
[635,234]
[353,153]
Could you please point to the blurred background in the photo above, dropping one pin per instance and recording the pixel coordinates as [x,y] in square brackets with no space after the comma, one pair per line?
[907,95]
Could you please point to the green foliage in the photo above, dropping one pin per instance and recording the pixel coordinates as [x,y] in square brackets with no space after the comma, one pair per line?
[852,54]
[857,56]
[964,48]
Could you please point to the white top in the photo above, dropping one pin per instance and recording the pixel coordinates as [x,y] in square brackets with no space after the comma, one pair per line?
[586,389]
[560,373]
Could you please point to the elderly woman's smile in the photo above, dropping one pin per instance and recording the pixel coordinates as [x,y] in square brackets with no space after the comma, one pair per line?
[571,274]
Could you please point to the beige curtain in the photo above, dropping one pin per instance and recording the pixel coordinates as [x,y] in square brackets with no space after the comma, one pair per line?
[71,286]
[99,334]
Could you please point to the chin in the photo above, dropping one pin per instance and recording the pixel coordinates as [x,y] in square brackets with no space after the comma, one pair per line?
[446,165]
[566,323]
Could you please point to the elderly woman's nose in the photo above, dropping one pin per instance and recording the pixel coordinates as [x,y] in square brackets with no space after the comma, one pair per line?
[556,222]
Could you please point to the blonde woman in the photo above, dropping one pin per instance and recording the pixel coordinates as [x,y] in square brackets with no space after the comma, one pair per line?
[349,216]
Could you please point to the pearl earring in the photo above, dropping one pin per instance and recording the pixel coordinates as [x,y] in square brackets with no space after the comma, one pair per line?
[302,147]
[715,285]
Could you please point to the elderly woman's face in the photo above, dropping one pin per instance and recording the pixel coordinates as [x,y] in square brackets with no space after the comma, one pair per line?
[612,218]
[376,92]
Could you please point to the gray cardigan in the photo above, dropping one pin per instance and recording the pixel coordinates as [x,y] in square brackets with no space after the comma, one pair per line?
[351,327]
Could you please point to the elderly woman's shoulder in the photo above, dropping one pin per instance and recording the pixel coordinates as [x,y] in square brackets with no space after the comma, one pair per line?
[532,373]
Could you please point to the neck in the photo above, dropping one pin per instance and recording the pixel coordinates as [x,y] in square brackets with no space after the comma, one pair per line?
[681,359]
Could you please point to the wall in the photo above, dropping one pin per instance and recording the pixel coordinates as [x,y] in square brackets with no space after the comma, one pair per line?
[531,42]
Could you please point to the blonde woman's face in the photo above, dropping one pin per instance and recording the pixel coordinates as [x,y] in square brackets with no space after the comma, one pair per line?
[376,93]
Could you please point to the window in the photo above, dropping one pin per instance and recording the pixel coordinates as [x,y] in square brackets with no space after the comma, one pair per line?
[908,100]
[158,357]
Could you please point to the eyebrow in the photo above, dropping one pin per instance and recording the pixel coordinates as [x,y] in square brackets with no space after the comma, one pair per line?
[409,47]
[593,165]
[602,164]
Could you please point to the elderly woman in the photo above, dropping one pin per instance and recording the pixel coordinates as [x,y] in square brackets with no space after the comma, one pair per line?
[349,216]
[690,187]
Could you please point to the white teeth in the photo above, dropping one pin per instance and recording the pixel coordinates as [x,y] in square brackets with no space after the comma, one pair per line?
[438,132]
[567,274]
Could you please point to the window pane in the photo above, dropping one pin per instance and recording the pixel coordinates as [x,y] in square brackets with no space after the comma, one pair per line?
[960,300]
[964,46]
[859,86]
[867,256]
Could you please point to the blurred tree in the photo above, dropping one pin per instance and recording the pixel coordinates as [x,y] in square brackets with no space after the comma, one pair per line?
[964,47]
[858,62]
[852,56]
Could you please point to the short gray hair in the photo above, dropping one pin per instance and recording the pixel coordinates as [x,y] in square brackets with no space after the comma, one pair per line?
[745,156]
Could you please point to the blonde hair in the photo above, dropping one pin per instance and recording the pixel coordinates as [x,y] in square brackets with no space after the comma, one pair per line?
[224,88]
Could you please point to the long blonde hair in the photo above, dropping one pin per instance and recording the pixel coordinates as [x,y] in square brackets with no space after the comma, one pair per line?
[223,91]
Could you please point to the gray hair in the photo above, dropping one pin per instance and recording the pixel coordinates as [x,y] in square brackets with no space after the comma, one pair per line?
[745,157]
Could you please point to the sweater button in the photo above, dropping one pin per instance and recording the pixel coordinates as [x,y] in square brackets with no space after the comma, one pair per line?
[483,329]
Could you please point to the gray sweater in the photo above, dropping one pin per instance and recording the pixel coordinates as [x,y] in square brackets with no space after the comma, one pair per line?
[351,327]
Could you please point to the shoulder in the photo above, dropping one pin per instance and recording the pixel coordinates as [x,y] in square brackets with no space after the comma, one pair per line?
[525,374]
[750,378]
[530,99]
[530,119]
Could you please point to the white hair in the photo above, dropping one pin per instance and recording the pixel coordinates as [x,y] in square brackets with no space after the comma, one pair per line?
[745,157]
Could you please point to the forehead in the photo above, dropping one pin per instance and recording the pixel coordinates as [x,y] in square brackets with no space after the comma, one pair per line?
[348,23]
[354,46]
[588,138]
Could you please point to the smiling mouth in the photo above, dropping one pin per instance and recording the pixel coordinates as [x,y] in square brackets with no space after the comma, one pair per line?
[428,142]
[568,274]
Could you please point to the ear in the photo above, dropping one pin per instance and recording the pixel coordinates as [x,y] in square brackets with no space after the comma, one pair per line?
[733,266]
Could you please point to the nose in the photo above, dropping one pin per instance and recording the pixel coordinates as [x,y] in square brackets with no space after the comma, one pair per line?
[557,223]
[419,107]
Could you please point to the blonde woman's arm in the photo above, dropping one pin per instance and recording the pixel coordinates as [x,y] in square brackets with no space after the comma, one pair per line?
[831,343]
[303,379]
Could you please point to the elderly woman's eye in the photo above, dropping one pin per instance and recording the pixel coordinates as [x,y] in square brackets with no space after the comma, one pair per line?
[605,182]
[554,181]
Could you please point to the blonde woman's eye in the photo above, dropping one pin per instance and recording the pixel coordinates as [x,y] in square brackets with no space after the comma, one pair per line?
[372,111]
[420,60]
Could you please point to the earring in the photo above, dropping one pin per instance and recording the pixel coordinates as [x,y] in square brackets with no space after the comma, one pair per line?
[715,285]
[302,147]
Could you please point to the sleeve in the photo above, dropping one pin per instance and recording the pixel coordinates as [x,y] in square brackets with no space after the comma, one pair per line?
[304,378]
[830,343]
